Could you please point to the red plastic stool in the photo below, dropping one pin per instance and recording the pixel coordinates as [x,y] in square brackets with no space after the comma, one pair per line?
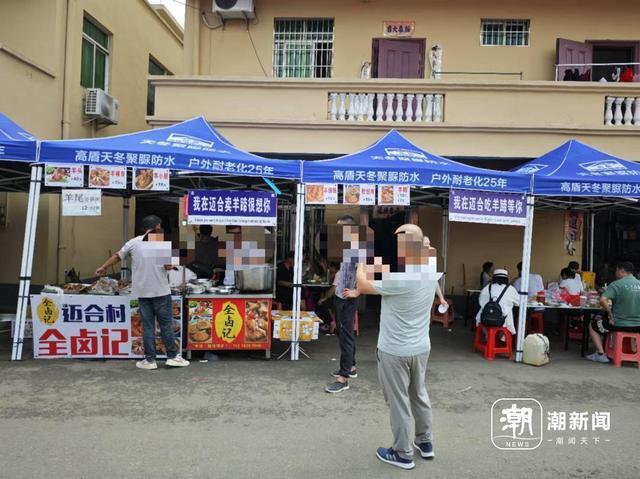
[618,348]
[537,323]
[491,347]
[575,333]
[446,319]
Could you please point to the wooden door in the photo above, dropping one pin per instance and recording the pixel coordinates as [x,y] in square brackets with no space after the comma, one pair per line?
[398,58]
[572,52]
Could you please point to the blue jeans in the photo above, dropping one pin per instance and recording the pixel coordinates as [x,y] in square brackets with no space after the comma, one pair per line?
[160,308]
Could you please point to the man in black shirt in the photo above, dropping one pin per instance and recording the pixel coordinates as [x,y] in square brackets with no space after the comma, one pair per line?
[284,278]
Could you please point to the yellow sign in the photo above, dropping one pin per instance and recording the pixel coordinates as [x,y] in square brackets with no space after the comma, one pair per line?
[48,311]
[228,322]
[589,279]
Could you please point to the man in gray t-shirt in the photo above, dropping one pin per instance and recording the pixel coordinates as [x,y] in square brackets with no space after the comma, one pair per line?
[403,342]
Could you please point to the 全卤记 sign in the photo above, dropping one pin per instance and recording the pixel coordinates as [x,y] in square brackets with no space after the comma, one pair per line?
[81,202]
[91,326]
[485,207]
[231,207]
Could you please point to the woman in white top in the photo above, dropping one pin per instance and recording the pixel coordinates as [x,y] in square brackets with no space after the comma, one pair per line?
[492,292]
[571,282]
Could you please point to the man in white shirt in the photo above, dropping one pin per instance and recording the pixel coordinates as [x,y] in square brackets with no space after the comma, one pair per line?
[536,283]
[150,261]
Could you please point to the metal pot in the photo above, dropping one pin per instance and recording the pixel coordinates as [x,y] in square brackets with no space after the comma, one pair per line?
[256,279]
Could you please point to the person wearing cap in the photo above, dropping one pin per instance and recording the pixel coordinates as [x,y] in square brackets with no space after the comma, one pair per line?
[492,292]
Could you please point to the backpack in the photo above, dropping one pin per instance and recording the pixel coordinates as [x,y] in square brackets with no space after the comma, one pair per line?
[491,314]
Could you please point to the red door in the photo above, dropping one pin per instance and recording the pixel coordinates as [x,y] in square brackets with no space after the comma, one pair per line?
[570,52]
[398,58]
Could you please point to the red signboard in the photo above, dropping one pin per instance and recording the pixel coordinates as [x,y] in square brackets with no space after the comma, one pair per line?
[229,323]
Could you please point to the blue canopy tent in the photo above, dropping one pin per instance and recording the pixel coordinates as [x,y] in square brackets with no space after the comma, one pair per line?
[16,144]
[395,160]
[192,145]
[577,170]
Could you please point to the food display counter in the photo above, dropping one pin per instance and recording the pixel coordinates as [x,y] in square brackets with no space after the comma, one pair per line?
[232,321]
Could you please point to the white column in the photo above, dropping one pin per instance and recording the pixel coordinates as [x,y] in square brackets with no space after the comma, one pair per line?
[410,98]
[343,106]
[363,105]
[608,111]
[445,247]
[399,112]
[26,266]
[379,109]
[437,107]
[617,114]
[297,271]
[419,112]
[636,112]
[352,108]
[389,113]
[333,109]
[370,97]
[524,286]
[628,114]
[429,109]
[125,234]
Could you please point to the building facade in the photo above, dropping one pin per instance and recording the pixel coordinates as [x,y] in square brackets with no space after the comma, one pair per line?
[492,81]
[51,51]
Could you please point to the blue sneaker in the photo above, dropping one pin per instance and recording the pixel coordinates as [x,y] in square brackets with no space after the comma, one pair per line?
[391,457]
[425,449]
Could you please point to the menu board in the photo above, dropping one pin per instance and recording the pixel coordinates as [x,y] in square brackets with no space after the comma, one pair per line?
[394,195]
[151,179]
[229,323]
[64,175]
[81,202]
[321,193]
[359,194]
[114,177]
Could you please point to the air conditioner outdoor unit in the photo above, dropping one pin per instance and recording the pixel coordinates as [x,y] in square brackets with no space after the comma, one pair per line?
[230,9]
[101,106]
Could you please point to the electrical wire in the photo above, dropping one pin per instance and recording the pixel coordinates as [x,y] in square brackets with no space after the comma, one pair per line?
[255,50]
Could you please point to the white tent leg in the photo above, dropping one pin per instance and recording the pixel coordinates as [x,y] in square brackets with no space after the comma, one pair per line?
[592,227]
[524,287]
[297,271]
[125,234]
[27,261]
[445,247]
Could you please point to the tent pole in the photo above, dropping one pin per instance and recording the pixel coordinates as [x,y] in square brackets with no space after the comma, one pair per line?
[297,271]
[445,247]
[592,227]
[524,285]
[27,261]
[125,234]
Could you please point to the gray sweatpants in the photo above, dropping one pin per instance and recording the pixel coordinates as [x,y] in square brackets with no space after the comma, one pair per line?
[403,381]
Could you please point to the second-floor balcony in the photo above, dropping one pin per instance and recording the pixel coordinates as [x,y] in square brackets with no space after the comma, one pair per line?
[551,110]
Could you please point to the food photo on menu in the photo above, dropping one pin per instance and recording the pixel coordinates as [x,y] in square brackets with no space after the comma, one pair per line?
[315,193]
[58,174]
[99,176]
[352,194]
[144,179]
[386,195]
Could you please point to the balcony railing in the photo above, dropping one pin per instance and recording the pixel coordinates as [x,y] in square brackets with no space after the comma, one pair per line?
[622,111]
[389,107]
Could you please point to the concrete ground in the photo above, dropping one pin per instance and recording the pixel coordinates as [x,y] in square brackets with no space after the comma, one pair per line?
[244,417]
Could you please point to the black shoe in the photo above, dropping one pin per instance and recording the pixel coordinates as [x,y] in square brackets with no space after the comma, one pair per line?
[352,374]
[336,387]
[425,448]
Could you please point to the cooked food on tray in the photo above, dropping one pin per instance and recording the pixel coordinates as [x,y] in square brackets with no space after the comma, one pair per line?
[136,324]
[256,324]
[200,308]
[144,179]
[76,288]
[200,331]
[315,193]
[352,195]
[99,176]
[386,195]
[137,346]
[58,174]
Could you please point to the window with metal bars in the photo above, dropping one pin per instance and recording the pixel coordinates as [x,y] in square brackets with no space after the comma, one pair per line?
[511,33]
[303,47]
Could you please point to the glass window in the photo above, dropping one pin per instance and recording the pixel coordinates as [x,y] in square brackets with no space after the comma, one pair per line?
[303,48]
[95,56]
[504,33]
[155,68]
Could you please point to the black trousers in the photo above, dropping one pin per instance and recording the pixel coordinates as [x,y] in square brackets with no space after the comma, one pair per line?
[345,315]
[324,311]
